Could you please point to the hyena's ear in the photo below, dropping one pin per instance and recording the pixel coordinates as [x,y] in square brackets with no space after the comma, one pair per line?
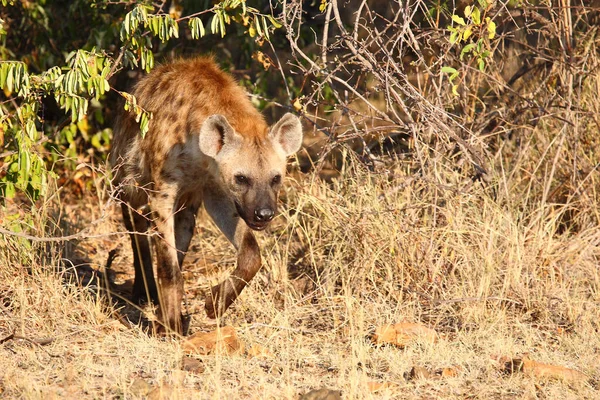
[215,134]
[287,132]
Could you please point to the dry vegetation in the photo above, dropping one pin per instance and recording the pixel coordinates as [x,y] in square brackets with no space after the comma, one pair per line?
[482,224]
[495,280]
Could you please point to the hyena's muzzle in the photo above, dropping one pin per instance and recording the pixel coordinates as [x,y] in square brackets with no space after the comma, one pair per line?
[257,207]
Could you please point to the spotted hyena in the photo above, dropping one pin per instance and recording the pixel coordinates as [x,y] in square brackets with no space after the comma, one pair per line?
[207,145]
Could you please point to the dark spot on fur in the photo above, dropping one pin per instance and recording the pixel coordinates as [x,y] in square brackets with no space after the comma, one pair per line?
[158,216]
[171,116]
[180,102]
[170,99]
[163,85]
[197,86]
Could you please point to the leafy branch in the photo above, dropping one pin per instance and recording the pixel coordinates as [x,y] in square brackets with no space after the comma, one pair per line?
[475,30]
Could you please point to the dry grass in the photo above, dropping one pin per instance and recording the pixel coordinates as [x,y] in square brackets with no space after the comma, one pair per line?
[496,275]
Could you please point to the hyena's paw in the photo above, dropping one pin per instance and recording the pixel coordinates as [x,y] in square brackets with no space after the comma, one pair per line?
[218,300]
[173,327]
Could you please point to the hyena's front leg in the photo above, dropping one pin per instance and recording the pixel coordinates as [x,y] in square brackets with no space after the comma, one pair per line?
[185,224]
[170,279]
[224,294]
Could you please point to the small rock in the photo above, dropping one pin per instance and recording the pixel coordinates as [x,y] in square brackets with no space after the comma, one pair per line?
[140,387]
[542,371]
[417,372]
[192,365]
[322,394]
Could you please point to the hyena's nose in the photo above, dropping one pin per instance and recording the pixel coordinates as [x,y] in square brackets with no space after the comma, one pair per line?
[264,214]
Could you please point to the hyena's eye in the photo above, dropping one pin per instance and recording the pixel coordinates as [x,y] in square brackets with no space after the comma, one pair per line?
[276,180]
[242,180]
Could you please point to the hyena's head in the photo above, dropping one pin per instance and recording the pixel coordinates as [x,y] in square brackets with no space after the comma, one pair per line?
[251,170]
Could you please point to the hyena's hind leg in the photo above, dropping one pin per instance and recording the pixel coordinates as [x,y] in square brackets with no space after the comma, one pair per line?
[137,223]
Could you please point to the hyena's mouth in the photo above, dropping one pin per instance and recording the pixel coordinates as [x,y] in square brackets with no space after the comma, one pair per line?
[254,225]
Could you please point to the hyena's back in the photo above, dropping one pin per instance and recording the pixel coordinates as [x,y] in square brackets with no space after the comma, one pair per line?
[180,96]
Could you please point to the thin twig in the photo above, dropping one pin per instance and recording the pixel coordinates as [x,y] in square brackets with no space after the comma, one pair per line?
[81,235]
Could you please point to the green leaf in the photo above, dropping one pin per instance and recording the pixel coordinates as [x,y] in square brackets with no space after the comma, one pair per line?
[258,27]
[201,28]
[96,142]
[222,24]
[214,24]
[468,48]
[455,90]
[323,5]
[174,28]
[9,190]
[24,166]
[144,122]
[265,28]
[146,59]
[452,72]
[449,70]
[458,20]
[125,27]
[476,16]
[3,74]
[193,25]
[274,22]
[454,37]
[30,129]
[468,32]
[491,28]
[10,79]
[154,25]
